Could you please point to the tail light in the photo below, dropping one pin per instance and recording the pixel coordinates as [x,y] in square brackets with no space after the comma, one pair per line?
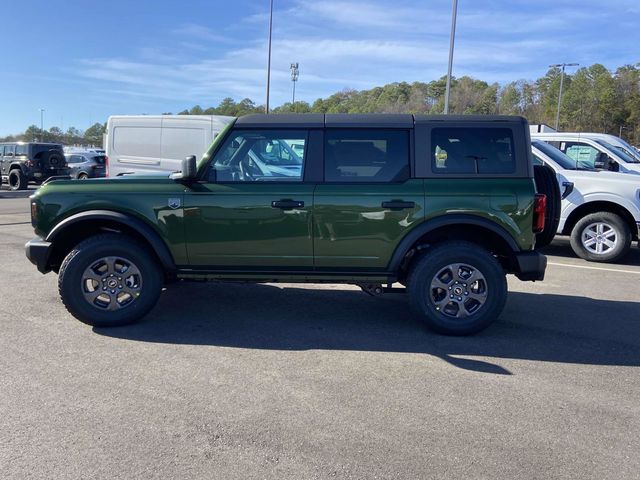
[539,210]
[106,166]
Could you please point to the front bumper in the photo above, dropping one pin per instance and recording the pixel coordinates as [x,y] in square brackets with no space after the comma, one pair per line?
[38,252]
[530,266]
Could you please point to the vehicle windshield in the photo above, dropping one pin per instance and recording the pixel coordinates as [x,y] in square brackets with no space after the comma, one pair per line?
[556,155]
[620,153]
[627,152]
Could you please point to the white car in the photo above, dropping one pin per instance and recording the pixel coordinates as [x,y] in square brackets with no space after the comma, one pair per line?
[600,209]
[590,152]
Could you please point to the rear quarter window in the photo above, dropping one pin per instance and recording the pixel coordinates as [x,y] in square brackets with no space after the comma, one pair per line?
[467,150]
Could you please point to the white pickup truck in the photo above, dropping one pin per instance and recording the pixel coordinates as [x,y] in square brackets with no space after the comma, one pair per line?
[600,209]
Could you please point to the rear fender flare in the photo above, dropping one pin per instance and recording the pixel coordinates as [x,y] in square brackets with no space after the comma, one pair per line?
[430,225]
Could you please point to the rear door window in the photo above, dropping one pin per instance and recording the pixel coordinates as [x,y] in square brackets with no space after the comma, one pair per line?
[21,150]
[374,155]
[466,150]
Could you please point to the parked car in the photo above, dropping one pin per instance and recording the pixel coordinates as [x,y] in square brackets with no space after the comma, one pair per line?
[83,165]
[157,143]
[600,209]
[617,142]
[591,153]
[369,205]
[21,163]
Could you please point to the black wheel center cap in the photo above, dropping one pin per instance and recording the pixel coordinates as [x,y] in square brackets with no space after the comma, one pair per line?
[457,291]
[112,283]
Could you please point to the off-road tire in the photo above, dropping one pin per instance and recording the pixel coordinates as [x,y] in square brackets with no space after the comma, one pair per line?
[617,223]
[86,253]
[547,183]
[54,159]
[427,266]
[17,180]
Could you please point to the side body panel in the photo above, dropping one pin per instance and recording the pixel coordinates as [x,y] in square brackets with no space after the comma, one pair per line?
[351,228]
[148,200]
[505,202]
[235,226]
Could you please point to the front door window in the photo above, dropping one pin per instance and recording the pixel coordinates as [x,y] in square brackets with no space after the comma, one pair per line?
[261,156]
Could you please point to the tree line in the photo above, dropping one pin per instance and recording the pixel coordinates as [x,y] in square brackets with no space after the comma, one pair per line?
[594,99]
[92,136]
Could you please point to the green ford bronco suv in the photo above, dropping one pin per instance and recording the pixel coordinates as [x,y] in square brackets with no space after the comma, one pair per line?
[445,206]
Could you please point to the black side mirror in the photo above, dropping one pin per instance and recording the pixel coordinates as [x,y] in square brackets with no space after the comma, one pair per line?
[601,162]
[189,169]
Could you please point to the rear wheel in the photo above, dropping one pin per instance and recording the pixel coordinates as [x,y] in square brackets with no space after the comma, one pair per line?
[458,288]
[82,176]
[17,180]
[601,237]
[109,280]
[547,183]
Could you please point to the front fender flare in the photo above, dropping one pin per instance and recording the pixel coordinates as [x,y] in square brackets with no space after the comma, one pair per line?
[141,227]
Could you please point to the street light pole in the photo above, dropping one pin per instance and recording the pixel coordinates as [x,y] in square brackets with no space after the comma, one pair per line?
[41,123]
[562,66]
[266,107]
[294,78]
[452,37]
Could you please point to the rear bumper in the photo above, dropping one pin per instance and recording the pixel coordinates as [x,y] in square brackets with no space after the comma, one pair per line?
[530,266]
[38,252]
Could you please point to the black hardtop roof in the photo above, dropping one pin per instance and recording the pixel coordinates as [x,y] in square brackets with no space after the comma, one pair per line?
[379,120]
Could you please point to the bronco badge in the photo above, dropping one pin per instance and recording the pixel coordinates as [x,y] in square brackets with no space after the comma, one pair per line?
[174,203]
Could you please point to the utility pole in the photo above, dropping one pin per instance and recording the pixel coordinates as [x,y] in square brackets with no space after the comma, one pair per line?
[294,78]
[562,66]
[266,107]
[452,38]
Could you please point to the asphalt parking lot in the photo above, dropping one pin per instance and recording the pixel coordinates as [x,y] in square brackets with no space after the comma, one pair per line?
[289,381]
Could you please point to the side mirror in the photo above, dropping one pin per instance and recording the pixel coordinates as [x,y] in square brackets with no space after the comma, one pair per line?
[601,162]
[189,170]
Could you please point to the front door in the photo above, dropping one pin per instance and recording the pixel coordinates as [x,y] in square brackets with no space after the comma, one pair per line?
[367,202]
[255,209]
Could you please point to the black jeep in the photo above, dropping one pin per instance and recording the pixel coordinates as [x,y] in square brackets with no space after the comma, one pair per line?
[21,163]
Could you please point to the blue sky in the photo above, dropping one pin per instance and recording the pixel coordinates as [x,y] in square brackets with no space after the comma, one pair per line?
[83,61]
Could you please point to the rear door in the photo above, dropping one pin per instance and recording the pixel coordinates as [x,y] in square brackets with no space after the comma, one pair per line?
[367,202]
[253,211]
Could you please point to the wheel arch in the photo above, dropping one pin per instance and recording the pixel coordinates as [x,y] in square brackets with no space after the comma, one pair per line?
[455,227]
[600,206]
[75,228]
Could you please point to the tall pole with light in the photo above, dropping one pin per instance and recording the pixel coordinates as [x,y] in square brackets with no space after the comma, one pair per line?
[42,123]
[454,14]
[562,67]
[266,107]
[294,78]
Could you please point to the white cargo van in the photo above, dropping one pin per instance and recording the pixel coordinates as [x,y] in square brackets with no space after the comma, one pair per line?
[158,143]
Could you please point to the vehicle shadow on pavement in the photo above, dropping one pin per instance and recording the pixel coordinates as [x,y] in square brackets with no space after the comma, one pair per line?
[539,327]
[562,248]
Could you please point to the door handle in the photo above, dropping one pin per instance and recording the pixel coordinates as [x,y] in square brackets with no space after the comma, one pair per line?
[398,205]
[287,204]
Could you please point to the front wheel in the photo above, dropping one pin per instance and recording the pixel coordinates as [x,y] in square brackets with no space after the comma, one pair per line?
[458,288]
[601,237]
[17,180]
[109,280]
